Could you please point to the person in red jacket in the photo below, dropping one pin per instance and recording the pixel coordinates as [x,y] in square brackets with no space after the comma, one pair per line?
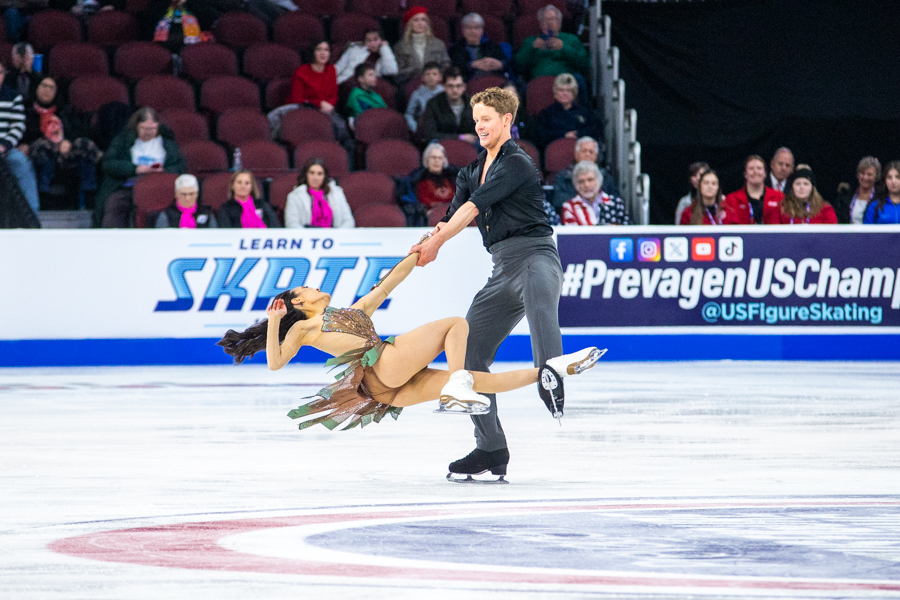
[708,207]
[315,84]
[746,206]
[802,204]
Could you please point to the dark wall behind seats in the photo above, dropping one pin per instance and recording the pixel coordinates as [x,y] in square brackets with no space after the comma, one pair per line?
[720,81]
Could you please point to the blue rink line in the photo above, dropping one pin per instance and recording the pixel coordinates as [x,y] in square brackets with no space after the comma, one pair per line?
[203,351]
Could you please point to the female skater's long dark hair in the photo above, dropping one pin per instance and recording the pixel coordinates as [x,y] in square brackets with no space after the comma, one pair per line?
[245,344]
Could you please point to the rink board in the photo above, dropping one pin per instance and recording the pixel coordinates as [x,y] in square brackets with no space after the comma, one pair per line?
[647,293]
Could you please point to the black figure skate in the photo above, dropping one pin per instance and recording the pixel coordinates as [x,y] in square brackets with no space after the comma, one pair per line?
[550,377]
[479,462]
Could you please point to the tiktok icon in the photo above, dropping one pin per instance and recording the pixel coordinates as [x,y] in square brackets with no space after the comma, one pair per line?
[731,249]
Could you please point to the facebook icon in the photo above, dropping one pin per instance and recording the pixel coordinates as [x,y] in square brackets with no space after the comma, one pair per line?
[621,250]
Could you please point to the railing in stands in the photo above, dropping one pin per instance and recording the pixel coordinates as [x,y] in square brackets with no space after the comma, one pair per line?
[623,151]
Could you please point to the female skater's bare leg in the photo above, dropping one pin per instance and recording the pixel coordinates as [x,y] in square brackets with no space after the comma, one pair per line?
[426,385]
[415,350]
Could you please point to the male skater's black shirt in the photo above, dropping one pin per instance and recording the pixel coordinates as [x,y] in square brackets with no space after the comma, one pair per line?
[510,202]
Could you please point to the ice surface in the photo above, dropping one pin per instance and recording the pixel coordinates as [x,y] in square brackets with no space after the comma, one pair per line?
[772,475]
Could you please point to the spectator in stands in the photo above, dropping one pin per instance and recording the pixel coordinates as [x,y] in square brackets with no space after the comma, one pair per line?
[12,127]
[552,52]
[885,207]
[475,55]
[418,46]
[586,148]
[315,85]
[564,118]
[87,7]
[433,183]
[363,96]
[373,50]
[56,159]
[22,76]
[591,206]
[144,146]
[695,170]
[177,28]
[431,87]
[746,206]
[317,201]
[707,207]
[781,167]
[852,208]
[448,114]
[186,211]
[246,208]
[802,203]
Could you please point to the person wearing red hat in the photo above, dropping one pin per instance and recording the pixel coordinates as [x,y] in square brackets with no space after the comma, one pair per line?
[418,46]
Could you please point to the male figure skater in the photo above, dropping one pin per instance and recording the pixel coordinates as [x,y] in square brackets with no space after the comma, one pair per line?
[502,191]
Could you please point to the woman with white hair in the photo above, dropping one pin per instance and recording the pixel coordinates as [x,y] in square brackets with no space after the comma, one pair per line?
[591,206]
[565,118]
[186,212]
[432,184]
[418,46]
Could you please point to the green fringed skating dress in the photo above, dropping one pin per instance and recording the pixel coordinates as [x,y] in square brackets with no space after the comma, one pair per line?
[358,397]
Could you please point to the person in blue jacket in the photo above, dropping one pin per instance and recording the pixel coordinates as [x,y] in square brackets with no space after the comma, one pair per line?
[885,208]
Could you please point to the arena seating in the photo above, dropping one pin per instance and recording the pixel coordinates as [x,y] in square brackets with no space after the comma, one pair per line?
[394,158]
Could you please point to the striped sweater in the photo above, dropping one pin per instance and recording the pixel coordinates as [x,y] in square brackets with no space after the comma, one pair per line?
[12,117]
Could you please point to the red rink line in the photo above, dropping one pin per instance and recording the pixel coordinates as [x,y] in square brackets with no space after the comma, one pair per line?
[196,546]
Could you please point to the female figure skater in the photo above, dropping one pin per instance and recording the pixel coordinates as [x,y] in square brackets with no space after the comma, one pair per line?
[382,376]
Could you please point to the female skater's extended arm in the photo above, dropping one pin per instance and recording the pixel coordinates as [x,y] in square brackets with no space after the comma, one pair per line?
[371,301]
[278,355]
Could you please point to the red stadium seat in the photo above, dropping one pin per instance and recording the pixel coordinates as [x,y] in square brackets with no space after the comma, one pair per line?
[239,30]
[297,31]
[494,28]
[6,55]
[394,158]
[136,6]
[218,94]
[437,212]
[51,27]
[524,27]
[264,158]
[539,94]
[459,153]
[90,92]
[332,153]
[187,125]
[135,60]
[321,8]
[163,92]
[558,155]
[215,189]
[203,157]
[351,27]
[70,60]
[437,8]
[199,62]
[377,8]
[412,86]
[440,29]
[388,92]
[265,62]
[110,28]
[153,192]
[304,125]
[485,8]
[236,126]
[379,124]
[2,30]
[379,215]
[479,84]
[531,151]
[363,188]
[279,189]
[277,92]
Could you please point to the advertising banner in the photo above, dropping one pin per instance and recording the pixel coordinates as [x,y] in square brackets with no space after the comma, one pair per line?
[717,279]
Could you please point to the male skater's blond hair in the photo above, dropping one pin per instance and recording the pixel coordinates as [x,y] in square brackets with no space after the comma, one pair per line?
[502,101]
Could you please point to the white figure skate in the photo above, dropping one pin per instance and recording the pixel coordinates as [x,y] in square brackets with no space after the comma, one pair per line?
[458,397]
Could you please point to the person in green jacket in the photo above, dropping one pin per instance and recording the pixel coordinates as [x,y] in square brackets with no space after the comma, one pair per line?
[364,96]
[144,146]
[552,52]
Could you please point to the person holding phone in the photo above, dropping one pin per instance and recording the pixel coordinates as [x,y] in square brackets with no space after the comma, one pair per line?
[553,52]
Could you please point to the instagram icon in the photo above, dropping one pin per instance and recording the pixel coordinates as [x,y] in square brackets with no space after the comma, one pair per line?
[648,249]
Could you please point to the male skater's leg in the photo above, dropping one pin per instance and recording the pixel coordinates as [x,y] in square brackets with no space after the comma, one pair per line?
[541,294]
